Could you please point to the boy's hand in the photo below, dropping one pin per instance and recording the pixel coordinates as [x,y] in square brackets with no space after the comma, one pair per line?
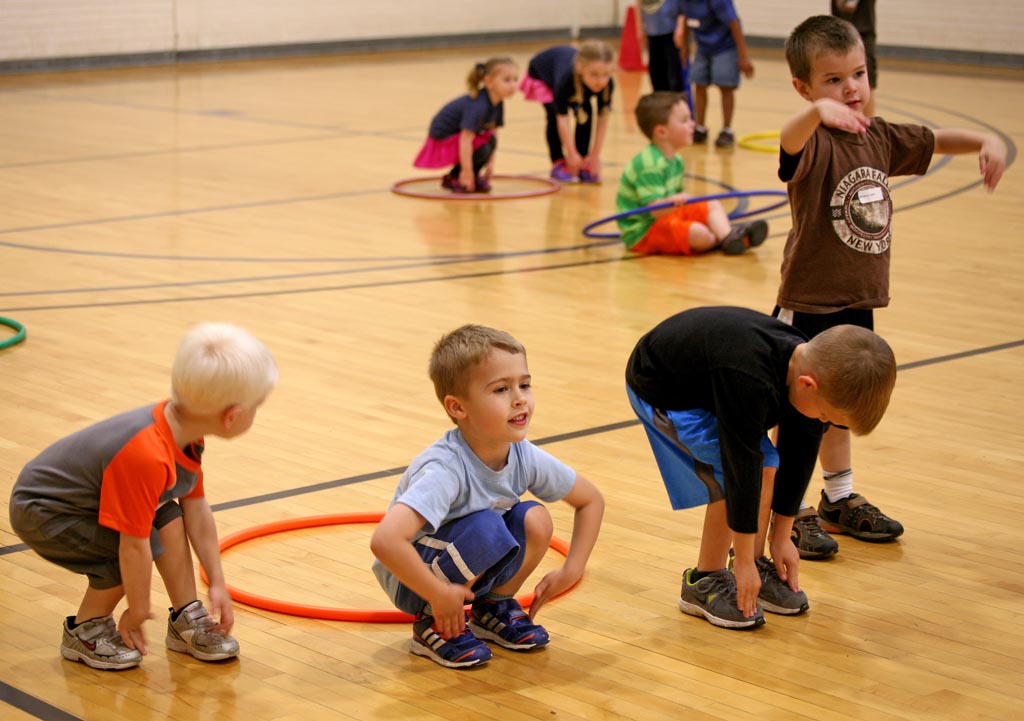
[746,67]
[786,557]
[678,199]
[992,161]
[221,608]
[836,115]
[448,609]
[130,628]
[748,586]
[550,586]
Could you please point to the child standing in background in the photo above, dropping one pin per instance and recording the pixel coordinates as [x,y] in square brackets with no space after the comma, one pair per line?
[720,58]
[862,14]
[657,30]
[464,132]
[563,79]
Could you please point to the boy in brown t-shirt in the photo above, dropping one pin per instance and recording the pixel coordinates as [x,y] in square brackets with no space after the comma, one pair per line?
[836,162]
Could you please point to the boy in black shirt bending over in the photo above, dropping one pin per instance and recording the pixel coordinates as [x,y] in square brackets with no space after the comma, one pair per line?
[708,384]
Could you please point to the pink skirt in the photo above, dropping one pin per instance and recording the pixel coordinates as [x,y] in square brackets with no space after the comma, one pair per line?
[536,90]
[445,152]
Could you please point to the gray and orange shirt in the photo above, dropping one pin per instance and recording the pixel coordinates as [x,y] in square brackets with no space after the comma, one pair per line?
[119,470]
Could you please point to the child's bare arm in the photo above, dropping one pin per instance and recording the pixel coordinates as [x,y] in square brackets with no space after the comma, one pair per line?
[991,151]
[136,561]
[746,67]
[572,157]
[589,505]
[392,545]
[466,175]
[202,535]
[795,133]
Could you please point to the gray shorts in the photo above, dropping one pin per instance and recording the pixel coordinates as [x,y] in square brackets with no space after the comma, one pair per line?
[722,69]
[88,548]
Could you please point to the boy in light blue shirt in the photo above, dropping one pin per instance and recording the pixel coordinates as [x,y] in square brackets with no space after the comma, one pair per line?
[457,531]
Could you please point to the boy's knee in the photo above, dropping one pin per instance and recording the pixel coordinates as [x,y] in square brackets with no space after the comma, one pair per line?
[538,524]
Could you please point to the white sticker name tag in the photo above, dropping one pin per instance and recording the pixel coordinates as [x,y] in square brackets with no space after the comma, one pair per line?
[692,23]
[870,195]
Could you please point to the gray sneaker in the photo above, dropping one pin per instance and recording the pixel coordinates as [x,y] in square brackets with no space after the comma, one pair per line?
[810,538]
[98,644]
[192,634]
[714,598]
[776,595]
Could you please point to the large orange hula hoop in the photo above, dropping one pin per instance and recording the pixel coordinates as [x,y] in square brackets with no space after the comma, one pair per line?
[547,187]
[326,612]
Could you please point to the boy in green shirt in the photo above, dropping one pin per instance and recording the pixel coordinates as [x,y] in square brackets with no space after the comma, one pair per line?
[656,175]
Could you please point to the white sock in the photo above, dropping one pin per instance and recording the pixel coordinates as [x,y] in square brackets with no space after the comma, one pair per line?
[838,485]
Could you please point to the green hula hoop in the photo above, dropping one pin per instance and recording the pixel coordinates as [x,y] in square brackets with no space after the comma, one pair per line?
[18,336]
[750,141]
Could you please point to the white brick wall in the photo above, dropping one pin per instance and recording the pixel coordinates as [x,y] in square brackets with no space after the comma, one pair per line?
[34,29]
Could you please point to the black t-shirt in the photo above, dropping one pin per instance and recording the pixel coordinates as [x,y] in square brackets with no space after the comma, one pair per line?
[734,363]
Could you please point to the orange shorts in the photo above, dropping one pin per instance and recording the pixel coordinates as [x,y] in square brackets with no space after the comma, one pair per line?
[670,234]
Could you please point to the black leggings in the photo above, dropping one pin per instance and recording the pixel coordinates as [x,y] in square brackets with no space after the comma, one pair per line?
[480,157]
[555,142]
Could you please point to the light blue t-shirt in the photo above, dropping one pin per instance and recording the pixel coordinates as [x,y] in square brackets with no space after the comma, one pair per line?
[448,480]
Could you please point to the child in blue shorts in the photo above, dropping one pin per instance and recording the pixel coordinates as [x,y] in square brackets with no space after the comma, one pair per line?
[720,58]
[708,384]
[457,531]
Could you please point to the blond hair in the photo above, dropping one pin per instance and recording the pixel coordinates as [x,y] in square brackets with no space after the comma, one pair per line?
[457,352]
[815,36]
[655,108]
[219,365]
[482,70]
[594,51]
[856,372]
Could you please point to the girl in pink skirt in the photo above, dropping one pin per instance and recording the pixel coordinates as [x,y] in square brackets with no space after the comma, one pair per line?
[464,132]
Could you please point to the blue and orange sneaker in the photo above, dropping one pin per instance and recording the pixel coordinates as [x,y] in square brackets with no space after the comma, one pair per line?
[504,622]
[463,651]
[560,172]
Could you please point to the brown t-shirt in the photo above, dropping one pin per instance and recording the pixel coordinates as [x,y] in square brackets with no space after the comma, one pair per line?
[837,254]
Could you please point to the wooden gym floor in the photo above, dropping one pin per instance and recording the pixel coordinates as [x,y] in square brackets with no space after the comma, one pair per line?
[140,202]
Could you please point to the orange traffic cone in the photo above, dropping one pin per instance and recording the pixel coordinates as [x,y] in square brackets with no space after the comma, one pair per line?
[630,57]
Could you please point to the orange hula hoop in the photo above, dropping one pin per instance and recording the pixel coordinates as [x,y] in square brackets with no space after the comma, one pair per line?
[329,613]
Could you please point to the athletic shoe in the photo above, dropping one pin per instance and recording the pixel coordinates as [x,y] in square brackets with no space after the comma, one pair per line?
[98,644]
[743,236]
[588,176]
[193,634]
[810,538]
[856,517]
[560,172]
[450,182]
[714,598]
[460,652]
[482,185]
[700,135]
[505,623]
[725,139]
[776,595]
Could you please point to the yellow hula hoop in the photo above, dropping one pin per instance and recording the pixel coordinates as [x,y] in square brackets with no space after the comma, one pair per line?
[750,141]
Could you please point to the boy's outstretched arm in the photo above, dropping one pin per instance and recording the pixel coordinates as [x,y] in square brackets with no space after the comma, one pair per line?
[589,505]
[991,151]
[798,130]
[392,545]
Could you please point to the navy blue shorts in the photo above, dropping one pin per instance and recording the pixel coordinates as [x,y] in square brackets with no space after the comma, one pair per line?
[487,544]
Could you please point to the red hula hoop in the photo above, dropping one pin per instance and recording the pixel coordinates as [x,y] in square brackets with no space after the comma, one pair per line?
[327,612]
[549,186]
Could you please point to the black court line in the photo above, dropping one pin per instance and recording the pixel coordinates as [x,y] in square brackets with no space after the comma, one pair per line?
[32,705]
[559,438]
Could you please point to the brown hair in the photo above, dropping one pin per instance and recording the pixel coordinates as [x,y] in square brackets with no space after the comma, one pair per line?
[482,70]
[457,352]
[817,35]
[655,108]
[856,372]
